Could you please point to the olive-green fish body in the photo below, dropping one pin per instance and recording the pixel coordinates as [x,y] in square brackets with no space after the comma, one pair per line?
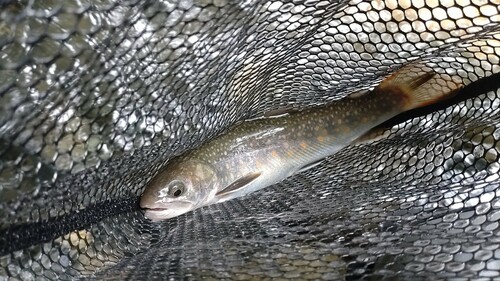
[262,152]
[276,148]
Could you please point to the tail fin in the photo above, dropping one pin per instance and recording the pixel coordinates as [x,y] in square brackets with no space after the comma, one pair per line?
[420,85]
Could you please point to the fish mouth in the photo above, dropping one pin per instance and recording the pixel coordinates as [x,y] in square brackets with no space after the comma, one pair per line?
[168,210]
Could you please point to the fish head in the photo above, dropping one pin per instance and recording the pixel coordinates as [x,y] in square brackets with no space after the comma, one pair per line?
[181,187]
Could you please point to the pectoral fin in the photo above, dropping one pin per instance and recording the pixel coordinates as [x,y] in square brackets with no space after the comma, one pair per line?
[238,184]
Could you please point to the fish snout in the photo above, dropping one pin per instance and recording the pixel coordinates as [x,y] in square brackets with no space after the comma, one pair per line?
[149,200]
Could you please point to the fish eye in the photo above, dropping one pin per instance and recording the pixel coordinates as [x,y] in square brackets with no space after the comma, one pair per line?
[176,189]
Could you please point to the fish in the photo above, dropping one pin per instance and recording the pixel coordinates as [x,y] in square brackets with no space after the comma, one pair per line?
[259,153]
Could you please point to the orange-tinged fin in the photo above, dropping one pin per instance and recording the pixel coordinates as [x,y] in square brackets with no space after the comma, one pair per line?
[372,135]
[309,166]
[420,87]
[280,112]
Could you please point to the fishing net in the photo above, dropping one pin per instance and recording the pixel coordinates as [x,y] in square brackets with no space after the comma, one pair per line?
[96,96]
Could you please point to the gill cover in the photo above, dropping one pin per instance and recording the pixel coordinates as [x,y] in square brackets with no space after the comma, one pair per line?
[182,186]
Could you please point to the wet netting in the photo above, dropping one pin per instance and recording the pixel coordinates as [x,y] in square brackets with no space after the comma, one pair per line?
[96,96]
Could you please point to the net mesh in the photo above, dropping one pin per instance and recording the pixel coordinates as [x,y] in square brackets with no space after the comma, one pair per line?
[96,96]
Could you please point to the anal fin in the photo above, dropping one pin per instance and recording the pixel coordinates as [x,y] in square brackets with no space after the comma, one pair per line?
[309,166]
[275,113]
[280,112]
[371,136]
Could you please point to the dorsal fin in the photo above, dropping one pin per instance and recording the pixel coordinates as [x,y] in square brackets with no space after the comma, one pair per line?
[238,184]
